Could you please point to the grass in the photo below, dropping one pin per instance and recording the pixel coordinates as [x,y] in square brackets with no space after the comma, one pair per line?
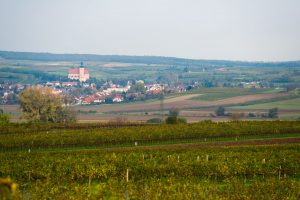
[283,104]
[218,93]
[290,116]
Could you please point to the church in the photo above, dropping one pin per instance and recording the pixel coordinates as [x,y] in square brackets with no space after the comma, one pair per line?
[81,73]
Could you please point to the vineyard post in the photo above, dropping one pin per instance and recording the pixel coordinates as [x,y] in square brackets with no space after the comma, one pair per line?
[284,175]
[145,192]
[207,156]
[126,194]
[177,158]
[198,158]
[279,172]
[127,175]
[90,180]
[264,161]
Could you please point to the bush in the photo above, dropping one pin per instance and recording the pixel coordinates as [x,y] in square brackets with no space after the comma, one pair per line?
[251,115]
[273,113]
[220,111]
[174,112]
[155,120]
[181,121]
[175,120]
[4,118]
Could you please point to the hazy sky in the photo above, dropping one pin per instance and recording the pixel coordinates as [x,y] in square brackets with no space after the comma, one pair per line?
[267,30]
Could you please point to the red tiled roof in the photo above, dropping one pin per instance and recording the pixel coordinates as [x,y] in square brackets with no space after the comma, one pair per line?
[76,71]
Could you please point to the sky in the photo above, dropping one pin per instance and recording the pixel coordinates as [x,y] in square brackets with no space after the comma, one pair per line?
[247,30]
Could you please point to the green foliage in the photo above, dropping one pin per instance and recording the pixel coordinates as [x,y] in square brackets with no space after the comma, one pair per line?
[171,120]
[175,120]
[174,112]
[251,115]
[273,113]
[67,115]
[260,172]
[33,135]
[154,120]
[220,111]
[41,104]
[4,118]
[181,120]
[8,189]
[138,87]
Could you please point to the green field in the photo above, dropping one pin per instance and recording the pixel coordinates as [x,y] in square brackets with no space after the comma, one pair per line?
[227,160]
[218,93]
[284,104]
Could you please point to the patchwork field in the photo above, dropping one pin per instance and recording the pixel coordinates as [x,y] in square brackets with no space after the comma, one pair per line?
[182,102]
[193,110]
[291,104]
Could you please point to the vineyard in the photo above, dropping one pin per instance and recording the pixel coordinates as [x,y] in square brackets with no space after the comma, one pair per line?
[106,162]
[41,136]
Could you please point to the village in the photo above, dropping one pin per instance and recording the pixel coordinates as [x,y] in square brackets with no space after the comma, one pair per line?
[79,90]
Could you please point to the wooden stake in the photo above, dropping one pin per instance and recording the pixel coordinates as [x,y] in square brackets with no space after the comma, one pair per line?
[127,175]
[279,173]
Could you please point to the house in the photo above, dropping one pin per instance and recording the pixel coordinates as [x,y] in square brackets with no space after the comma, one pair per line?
[88,99]
[64,84]
[93,99]
[118,98]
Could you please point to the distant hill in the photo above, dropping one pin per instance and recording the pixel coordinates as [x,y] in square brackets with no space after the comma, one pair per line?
[10,55]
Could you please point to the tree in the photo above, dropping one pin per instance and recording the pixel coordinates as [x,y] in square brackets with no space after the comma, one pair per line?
[174,112]
[138,87]
[220,111]
[41,104]
[273,113]
[171,120]
[173,117]
[67,115]
[4,118]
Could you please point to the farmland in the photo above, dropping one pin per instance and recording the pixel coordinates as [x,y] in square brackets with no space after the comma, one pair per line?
[237,86]
[283,104]
[104,161]
[195,106]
